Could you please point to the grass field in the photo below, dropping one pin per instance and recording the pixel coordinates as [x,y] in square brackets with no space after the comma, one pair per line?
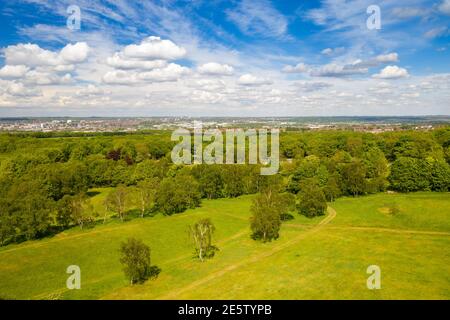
[321,258]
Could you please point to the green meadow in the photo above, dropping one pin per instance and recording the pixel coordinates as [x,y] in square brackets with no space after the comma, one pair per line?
[320,258]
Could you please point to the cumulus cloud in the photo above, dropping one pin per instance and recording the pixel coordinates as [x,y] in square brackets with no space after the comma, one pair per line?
[374,62]
[74,53]
[209,84]
[154,48]
[392,72]
[213,68]
[146,62]
[90,91]
[119,62]
[207,97]
[335,70]
[32,55]
[357,67]
[171,72]
[37,66]
[390,57]
[308,86]
[299,68]
[38,77]
[251,80]
[12,72]
[19,90]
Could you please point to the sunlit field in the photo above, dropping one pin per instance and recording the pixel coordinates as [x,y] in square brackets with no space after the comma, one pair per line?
[321,258]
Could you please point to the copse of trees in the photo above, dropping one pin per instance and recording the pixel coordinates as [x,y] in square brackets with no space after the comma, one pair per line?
[267,209]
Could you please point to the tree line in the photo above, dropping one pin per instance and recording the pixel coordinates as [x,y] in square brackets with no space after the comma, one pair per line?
[44,186]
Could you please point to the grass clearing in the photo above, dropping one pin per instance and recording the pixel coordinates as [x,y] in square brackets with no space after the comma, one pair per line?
[308,261]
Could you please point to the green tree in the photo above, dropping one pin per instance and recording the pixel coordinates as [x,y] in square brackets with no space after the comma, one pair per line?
[409,174]
[440,176]
[353,175]
[311,201]
[211,181]
[147,194]
[201,234]
[266,209]
[176,194]
[233,180]
[117,201]
[331,190]
[135,258]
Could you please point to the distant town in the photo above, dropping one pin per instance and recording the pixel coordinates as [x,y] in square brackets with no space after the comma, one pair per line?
[132,124]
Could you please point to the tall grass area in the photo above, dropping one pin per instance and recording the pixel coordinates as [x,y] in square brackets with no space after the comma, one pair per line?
[306,262]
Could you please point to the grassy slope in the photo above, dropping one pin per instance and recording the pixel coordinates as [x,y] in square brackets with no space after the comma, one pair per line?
[306,262]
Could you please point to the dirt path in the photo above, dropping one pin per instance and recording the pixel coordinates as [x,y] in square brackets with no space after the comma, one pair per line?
[252,259]
[167,262]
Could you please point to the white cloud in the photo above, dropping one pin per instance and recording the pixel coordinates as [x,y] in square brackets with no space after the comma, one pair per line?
[74,53]
[330,51]
[258,17]
[213,68]
[153,48]
[64,68]
[91,90]
[14,71]
[207,97]
[392,72]
[19,90]
[172,72]
[251,80]
[37,77]
[312,86]
[390,57]
[436,32]
[327,51]
[32,55]
[120,77]
[335,70]
[299,68]
[209,84]
[117,61]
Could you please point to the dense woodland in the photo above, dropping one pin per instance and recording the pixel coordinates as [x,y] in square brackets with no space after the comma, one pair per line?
[45,178]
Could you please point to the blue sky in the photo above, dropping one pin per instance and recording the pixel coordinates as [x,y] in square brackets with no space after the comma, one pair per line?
[216,58]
